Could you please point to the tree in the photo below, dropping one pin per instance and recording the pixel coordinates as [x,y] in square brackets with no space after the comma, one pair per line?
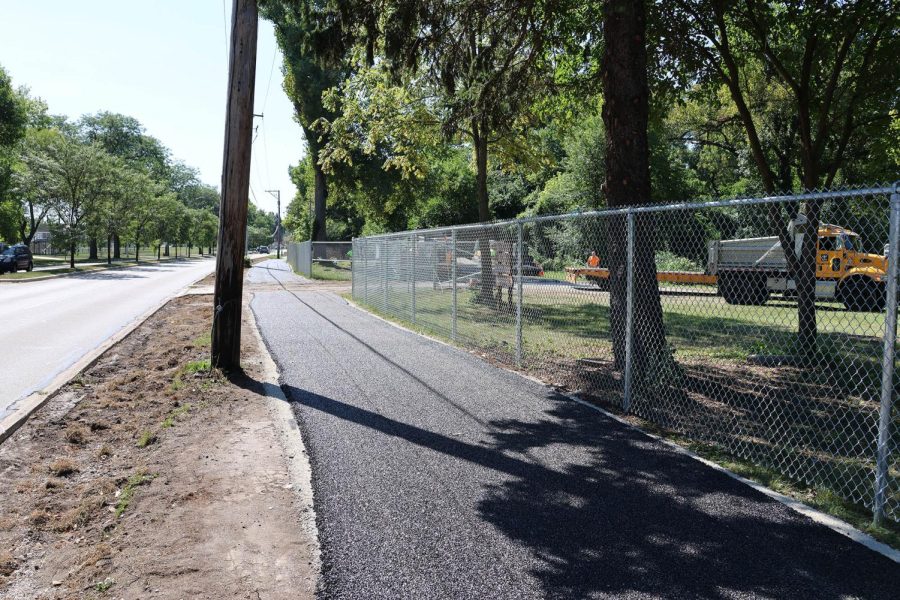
[308,72]
[124,137]
[114,213]
[149,198]
[625,117]
[13,121]
[79,177]
[831,63]
[462,70]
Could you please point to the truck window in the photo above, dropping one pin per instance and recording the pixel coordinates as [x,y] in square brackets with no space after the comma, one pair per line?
[851,243]
[828,243]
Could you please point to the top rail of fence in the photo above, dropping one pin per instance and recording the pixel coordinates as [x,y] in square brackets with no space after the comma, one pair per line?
[668,207]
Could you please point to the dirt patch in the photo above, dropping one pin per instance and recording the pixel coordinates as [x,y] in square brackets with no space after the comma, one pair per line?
[149,476]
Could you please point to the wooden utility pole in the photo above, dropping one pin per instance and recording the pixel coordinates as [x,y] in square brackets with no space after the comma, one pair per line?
[226,331]
[278,235]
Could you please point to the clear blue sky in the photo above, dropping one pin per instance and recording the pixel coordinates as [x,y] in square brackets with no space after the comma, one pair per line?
[163,62]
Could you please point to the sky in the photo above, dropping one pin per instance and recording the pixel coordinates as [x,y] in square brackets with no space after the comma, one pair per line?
[163,62]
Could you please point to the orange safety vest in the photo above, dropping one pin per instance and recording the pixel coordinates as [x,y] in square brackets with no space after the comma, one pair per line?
[594,261]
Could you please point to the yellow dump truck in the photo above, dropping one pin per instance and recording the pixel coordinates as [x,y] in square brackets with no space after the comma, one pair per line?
[750,270]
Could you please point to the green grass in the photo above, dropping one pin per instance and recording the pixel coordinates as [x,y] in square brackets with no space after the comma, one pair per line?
[127,493]
[336,271]
[173,416]
[195,366]
[203,340]
[147,438]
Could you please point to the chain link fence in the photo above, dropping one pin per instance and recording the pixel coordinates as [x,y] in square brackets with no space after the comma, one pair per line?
[321,260]
[738,323]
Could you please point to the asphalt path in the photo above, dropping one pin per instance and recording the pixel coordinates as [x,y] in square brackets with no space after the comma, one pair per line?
[438,476]
[48,325]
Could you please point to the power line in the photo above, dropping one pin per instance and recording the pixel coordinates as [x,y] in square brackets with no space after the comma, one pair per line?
[271,71]
[225,26]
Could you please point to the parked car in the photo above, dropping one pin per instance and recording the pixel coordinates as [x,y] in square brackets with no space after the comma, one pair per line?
[263,249]
[16,257]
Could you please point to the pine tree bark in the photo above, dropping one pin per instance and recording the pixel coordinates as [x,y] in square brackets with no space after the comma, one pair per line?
[625,117]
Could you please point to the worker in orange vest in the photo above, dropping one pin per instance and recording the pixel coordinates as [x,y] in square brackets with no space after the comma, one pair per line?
[593,260]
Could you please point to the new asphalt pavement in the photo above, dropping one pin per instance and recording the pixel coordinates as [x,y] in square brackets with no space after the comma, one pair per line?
[437,475]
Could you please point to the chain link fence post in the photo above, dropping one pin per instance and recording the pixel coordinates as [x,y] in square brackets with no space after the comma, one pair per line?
[629,313]
[413,279]
[453,283]
[384,261]
[887,365]
[519,292]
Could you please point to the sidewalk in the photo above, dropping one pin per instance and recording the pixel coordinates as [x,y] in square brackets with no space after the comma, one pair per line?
[439,476]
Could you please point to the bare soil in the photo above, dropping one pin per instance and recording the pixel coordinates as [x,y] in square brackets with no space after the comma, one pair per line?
[148,476]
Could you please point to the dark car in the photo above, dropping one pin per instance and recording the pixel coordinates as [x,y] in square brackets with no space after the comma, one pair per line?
[263,249]
[16,257]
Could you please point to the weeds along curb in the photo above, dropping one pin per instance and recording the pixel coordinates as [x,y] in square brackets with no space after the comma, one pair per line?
[833,523]
[27,406]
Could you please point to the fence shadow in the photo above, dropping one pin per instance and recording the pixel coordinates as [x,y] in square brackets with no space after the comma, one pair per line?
[604,510]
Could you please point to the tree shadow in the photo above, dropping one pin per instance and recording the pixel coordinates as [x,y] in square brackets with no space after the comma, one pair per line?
[604,511]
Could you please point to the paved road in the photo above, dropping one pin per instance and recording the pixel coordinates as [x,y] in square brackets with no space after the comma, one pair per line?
[438,476]
[48,325]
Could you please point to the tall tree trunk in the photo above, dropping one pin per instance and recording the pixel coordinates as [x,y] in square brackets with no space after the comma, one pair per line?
[159,252]
[92,249]
[117,247]
[166,253]
[625,117]
[72,255]
[137,252]
[320,203]
[108,250]
[805,269]
[480,139]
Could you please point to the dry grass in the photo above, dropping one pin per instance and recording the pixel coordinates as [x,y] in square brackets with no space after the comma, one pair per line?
[77,434]
[38,517]
[63,467]
[7,564]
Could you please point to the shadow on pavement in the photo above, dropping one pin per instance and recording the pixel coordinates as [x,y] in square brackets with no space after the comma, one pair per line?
[625,515]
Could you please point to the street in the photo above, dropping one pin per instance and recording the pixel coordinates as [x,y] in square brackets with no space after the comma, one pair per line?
[48,325]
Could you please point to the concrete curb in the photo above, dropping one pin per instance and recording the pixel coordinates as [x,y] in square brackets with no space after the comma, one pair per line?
[293,449]
[816,515]
[28,405]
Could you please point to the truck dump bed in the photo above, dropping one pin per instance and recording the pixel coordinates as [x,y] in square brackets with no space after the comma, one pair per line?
[750,253]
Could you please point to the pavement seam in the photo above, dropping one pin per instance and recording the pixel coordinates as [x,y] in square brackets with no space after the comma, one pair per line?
[833,523]
[27,406]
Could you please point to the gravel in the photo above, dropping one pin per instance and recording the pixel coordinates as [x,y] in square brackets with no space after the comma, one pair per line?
[437,475]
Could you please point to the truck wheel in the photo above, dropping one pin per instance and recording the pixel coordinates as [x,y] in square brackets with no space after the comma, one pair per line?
[744,288]
[861,294]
